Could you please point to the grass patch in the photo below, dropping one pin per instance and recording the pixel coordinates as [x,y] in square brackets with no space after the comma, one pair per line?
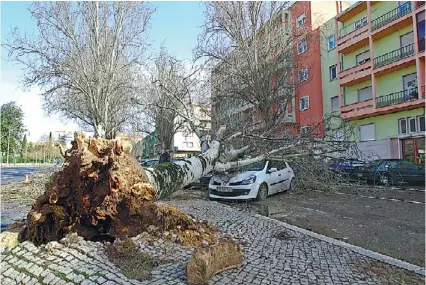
[62,276]
[26,272]
[133,264]
[78,272]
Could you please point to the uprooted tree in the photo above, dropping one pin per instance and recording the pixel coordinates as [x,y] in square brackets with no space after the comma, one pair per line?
[103,193]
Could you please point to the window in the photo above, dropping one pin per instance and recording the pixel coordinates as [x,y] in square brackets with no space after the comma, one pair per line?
[407,39]
[302,47]
[333,72]
[304,131]
[304,103]
[421,123]
[421,30]
[331,42]
[363,57]
[360,23]
[339,135]
[402,126]
[367,132]
[188,144]
[303,74]
[334,103]
[412,125]
[301,20]
[365,94]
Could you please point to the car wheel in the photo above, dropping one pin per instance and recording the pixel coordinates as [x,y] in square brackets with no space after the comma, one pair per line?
[262,193]
[385,180]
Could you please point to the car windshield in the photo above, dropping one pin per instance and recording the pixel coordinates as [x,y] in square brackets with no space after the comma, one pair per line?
[150,162]
[258,166]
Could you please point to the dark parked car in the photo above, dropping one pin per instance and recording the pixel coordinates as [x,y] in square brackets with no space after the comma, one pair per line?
[346,165]
[149,163]
[391,171]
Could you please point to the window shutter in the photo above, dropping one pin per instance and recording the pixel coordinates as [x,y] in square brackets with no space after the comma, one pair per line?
[365,94]
[368,132]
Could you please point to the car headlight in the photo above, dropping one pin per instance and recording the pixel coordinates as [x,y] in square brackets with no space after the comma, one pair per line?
[249,180]
[211,181]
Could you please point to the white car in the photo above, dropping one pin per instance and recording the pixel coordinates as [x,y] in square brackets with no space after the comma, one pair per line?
[255,181]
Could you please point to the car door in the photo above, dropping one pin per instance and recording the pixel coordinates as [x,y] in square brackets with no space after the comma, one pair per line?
[286,176]
[411,172]
[272,178]
[282,176]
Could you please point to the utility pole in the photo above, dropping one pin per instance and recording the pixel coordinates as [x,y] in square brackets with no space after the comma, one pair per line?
[8,146]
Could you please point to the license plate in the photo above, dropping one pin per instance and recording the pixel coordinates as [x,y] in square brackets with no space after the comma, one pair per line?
[359,174]
[224,189]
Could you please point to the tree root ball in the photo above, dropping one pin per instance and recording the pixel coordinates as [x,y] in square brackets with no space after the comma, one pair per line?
[102,193]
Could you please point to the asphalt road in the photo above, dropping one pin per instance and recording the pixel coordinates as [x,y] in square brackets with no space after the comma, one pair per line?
[15,174]
[392,223]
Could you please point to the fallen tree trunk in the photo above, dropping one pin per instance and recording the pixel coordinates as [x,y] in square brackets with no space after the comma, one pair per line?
[102,193]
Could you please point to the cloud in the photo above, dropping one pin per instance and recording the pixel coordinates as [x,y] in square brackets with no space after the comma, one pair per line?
[31,103]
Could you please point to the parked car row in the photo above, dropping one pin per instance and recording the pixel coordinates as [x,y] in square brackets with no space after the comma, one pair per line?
[381,171]
[261,179]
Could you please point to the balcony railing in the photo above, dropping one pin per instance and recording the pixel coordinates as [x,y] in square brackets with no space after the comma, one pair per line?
[397,98]
[393,56]
[391,16]
[419,4]
[351,28]
[422,44]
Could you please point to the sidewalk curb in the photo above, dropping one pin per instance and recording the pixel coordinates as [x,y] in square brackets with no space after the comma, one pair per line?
[372,254]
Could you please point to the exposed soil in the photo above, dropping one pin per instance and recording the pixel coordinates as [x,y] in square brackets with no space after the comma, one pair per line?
[102,193]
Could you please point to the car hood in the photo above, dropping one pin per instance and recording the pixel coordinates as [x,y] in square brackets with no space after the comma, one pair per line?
[233,177]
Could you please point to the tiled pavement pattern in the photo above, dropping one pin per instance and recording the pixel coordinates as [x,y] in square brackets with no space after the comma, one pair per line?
[273,255]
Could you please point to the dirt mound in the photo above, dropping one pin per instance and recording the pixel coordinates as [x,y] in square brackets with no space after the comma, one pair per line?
[102,193]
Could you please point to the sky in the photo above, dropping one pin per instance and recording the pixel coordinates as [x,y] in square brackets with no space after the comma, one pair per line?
[175,25]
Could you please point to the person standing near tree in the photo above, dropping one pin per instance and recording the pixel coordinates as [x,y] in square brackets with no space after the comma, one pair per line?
[165,157]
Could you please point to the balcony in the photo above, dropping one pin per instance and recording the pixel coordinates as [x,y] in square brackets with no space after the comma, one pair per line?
[355,74]
[352,38]
[357,110]
[391,21]
[397,98]
[394,60]
[391,16]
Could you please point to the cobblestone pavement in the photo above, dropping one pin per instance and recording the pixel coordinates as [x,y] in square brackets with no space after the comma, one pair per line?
[273,254]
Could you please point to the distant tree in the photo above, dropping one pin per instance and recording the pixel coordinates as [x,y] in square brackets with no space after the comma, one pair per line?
[24,146]
[50,147]
[12,120]
[85,56]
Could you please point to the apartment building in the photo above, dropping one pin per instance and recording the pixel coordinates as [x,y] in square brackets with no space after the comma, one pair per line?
[306,107]
[185,142]
[373,73]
